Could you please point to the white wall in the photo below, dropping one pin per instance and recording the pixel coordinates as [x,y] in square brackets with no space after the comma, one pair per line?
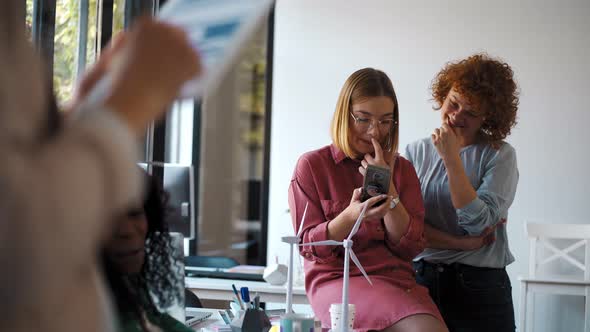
[319,43]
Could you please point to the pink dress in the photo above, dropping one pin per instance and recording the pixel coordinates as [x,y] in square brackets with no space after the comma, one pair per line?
[326,178]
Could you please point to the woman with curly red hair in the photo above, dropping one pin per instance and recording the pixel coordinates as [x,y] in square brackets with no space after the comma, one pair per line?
[468,176]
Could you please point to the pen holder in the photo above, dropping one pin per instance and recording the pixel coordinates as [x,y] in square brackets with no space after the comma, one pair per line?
[252,320]
[236,310]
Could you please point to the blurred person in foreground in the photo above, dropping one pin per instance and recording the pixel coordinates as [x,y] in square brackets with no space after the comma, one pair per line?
[60,190]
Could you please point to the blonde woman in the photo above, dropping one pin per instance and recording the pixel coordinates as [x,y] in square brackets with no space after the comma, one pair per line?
[364,132]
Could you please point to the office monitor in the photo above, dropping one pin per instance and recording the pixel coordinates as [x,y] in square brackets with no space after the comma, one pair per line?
[178,182]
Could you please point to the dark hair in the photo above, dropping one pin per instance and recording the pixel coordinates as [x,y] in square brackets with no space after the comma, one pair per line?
[488,84]
[156,287]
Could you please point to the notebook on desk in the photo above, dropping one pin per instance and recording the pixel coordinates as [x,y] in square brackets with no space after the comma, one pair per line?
[231,273]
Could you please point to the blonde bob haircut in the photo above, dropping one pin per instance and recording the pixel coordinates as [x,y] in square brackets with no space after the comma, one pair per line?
[362,84]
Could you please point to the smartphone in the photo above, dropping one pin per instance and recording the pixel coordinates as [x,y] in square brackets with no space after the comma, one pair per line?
[376,182]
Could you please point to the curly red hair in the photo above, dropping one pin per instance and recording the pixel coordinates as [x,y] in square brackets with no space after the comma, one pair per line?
[488,85]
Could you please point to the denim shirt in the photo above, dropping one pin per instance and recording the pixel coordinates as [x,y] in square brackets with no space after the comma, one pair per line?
[493,174]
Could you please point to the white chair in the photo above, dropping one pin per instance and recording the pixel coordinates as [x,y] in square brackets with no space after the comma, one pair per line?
[544,236]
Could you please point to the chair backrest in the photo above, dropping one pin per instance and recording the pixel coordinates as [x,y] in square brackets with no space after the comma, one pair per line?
[543,235]
[191,299]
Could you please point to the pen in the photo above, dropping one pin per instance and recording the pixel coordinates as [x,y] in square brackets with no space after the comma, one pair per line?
[256,302]
[245,295]
[237,296]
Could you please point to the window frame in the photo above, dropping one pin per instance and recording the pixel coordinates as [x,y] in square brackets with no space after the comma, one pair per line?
[43,34]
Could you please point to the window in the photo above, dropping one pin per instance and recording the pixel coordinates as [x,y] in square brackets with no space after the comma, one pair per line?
[252,93]
[233,149]
[72,42]
[65,48]
[179,132]
[29,19]
[118,16]
[87,54]
[75,40]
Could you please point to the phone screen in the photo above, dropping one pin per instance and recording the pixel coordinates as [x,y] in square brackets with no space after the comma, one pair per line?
[376,182]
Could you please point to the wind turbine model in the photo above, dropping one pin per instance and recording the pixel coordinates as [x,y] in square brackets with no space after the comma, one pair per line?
[292,240]
[348,254]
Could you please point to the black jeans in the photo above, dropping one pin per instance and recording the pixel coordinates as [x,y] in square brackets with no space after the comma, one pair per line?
[470,299]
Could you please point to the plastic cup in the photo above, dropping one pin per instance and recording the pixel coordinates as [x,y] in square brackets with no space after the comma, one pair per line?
[336,315]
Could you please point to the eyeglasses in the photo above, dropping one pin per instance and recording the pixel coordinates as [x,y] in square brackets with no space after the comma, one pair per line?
[365,124]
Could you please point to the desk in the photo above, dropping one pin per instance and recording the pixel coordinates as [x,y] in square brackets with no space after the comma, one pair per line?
[220,289]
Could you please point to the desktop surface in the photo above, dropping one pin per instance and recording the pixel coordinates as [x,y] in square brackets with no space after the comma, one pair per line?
[200,272]
[221,289]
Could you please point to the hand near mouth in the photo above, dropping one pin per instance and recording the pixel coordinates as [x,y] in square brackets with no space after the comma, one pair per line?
[382,158]
[446,141]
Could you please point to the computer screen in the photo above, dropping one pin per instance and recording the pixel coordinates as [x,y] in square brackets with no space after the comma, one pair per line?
[178,181]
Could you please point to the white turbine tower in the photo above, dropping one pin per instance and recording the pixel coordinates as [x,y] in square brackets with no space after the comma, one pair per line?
[292,240]
[348,254]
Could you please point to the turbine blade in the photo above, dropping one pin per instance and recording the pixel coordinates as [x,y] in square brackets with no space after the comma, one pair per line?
[358,264]
[322,243]
[357,224]
[302,221]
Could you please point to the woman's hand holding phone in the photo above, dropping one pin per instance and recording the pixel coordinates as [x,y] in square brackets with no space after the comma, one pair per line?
[374,211]
[383,159]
